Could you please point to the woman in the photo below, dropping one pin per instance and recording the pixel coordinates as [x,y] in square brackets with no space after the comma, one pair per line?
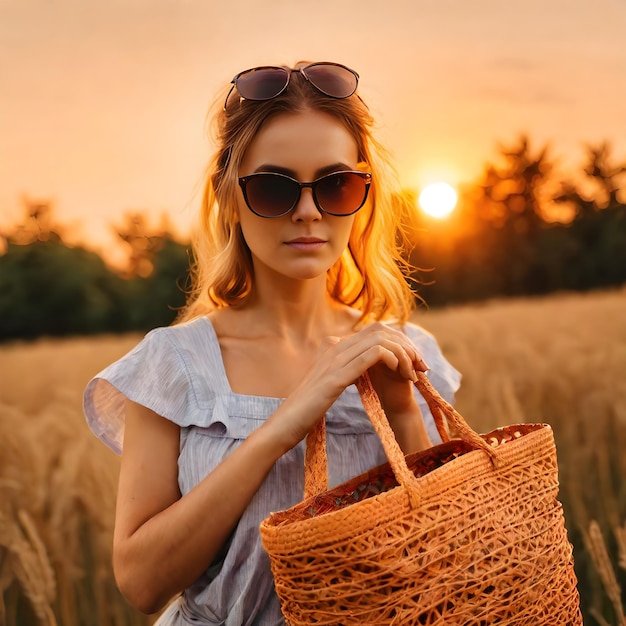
[299,289]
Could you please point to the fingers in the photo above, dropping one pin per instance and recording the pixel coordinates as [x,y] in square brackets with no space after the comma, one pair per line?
[387,353]
[378,343]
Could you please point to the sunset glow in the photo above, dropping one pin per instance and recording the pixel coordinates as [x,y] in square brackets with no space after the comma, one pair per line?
[104,112]
[438,199]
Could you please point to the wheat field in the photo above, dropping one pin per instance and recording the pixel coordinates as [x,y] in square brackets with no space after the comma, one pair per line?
[560,360]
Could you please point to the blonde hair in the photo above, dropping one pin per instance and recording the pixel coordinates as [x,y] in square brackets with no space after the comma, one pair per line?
[373,273]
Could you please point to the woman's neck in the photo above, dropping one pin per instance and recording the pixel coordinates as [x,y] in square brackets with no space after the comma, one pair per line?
[300,313]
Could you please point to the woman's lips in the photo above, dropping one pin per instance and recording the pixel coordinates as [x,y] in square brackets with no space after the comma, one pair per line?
[305,243]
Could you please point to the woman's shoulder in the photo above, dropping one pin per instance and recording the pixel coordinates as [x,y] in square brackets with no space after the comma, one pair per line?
[181,333]
[192,342]
[414,329]
[185,350]
[421,337]
[161,373]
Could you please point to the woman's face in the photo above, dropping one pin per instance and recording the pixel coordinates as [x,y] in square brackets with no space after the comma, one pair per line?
[305,243]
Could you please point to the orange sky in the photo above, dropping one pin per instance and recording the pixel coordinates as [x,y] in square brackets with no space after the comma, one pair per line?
[102,104]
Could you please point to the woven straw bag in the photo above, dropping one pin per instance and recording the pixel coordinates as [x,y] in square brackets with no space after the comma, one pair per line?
[469,532]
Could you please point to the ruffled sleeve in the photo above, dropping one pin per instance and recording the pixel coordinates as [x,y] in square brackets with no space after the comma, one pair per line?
[153,374]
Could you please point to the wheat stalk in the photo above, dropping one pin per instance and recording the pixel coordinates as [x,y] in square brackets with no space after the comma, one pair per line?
[30,566]
[48,582]
[596,615]
[620,536]
[596,547]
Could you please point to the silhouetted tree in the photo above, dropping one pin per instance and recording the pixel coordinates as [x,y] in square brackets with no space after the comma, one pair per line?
[155,300]
[47,288]
[598,229]
[157,271]
[141,242]
[605,174]
[50,288]
[607,181]
[37,224]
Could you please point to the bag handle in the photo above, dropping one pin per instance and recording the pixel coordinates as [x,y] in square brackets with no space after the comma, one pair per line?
[316,461]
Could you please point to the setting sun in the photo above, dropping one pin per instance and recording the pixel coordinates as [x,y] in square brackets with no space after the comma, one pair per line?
[438,199]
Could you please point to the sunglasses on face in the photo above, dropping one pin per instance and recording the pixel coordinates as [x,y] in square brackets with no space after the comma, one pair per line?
[269,194]
[264,83]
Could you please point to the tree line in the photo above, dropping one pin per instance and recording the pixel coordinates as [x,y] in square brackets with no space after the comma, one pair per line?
[50,288]
[518,230]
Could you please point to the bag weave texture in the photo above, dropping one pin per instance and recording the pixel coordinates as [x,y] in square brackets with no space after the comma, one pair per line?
[469,532]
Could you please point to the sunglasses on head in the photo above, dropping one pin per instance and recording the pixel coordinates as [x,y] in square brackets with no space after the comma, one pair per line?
[269,194]
[266,82]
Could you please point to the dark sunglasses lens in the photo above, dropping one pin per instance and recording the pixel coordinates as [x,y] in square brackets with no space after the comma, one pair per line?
[342,193]
[262,84]
[271,195]
[333,80]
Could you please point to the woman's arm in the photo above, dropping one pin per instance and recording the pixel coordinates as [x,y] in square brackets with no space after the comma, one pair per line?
[409,429]
[163,542]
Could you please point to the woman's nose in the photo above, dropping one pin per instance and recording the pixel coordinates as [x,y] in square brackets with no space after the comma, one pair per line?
[306,210]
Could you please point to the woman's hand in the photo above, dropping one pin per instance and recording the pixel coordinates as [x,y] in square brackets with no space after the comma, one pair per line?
[394,387]
[396,394]
[385,352]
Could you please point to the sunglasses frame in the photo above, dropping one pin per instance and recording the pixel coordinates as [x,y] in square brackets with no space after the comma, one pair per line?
[366,176]
[289,71]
